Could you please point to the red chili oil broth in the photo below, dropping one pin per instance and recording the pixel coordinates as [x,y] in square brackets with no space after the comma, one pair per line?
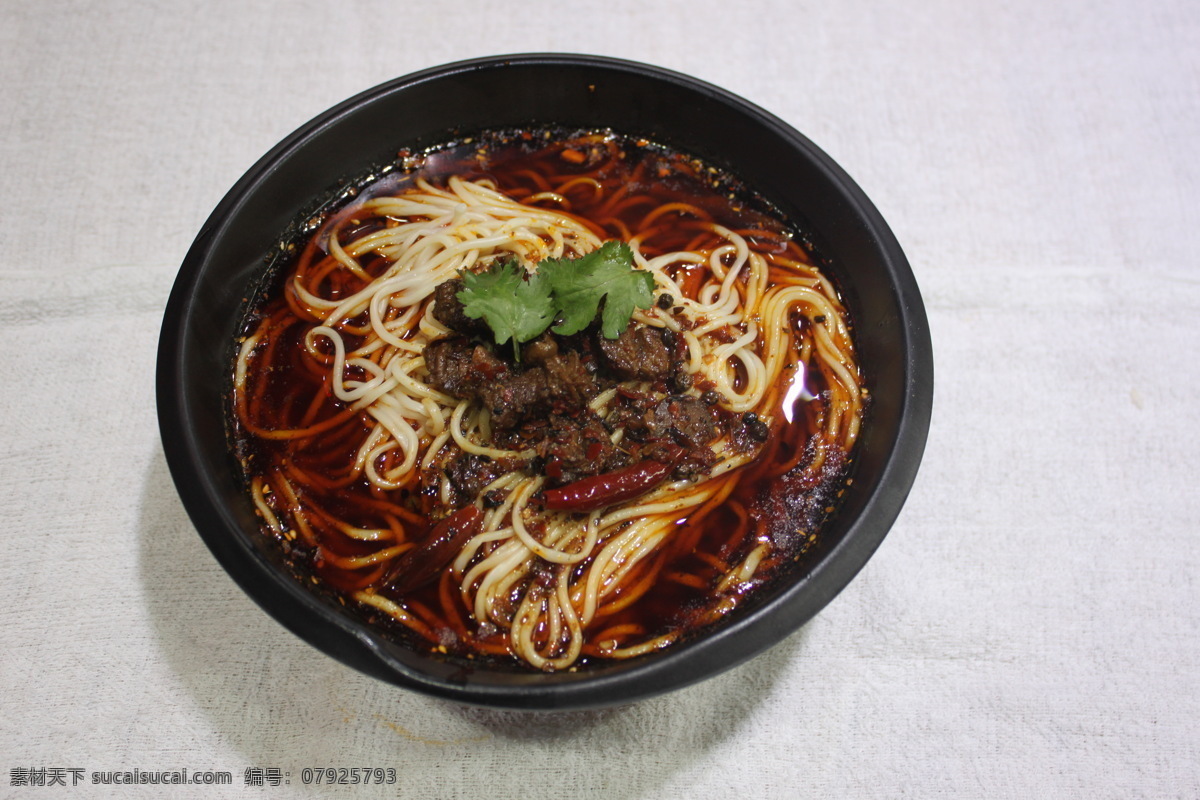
[285,392]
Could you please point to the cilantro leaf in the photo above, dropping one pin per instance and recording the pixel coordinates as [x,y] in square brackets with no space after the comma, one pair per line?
[579,284]
[513,307]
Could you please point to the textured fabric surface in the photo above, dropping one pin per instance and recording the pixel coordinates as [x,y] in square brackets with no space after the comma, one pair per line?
[1030,627]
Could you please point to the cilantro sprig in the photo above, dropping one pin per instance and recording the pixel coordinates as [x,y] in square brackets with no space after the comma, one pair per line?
[520,306]
[514,308]
[578,284]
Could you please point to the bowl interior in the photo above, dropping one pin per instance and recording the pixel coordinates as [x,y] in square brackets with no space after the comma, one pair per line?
[427,108]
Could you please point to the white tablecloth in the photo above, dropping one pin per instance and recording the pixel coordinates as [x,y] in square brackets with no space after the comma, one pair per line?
[1030,627]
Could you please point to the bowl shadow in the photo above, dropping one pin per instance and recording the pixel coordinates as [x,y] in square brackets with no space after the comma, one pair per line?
[279,702]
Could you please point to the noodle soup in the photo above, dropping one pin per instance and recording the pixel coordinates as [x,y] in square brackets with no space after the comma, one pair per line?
[574,497]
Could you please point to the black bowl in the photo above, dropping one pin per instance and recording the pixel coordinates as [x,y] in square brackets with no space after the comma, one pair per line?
[426,108]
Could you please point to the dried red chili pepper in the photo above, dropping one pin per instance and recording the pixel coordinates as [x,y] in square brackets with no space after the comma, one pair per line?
[424,562]
[623,484]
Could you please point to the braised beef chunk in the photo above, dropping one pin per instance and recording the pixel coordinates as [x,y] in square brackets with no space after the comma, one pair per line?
[449,364]
[638,354]
[680,417]
[509,400]
[575,447]
[458,367]
[686,420]
[569,380]
[469,473]
[688,423]
[449,309]
[560,382]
